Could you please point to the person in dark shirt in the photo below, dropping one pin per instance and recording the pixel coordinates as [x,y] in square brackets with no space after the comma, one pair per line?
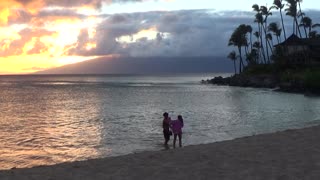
[166,128]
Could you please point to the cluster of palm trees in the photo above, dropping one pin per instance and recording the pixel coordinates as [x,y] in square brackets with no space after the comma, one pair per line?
[261,49]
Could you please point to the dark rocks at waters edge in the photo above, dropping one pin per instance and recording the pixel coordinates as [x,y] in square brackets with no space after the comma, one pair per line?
[260,81]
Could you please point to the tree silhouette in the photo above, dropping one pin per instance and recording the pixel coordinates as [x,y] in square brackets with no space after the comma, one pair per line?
[233,56]
[239,39]
[258,53]
[292,11]
[249,30]
[278,5]
[259,21]
[273,27]
[265,13]
[307,23]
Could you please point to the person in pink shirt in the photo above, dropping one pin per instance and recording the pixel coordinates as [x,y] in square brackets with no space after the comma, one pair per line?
[176,127]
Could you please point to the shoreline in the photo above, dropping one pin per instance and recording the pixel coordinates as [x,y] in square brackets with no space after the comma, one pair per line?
[289,154]
[263,81]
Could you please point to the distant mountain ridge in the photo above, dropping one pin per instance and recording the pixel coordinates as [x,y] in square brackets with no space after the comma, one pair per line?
[145,65]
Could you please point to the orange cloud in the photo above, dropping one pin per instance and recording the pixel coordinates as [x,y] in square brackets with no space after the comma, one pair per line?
[5,10]
[9,8]
[37,34]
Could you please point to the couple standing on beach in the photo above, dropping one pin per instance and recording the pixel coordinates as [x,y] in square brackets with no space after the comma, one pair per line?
[172,126]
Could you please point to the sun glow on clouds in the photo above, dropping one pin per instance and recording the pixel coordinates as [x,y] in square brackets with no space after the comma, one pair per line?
[7,35]
[45,46]
[148,34]
[90,46]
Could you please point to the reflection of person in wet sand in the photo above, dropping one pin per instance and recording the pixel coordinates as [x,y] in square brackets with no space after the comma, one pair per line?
[176,127]
[166,128]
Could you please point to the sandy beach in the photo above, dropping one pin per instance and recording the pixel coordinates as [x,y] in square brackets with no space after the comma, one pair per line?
[287,155]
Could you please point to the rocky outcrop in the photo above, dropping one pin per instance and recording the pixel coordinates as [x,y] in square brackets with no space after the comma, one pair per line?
[259,81]
[264,81]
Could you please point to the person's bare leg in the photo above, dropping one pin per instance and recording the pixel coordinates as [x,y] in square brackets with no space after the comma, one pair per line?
[180,137]
[166,141]
[174,140]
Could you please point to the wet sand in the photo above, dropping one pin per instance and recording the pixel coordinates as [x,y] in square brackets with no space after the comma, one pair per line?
[287,155]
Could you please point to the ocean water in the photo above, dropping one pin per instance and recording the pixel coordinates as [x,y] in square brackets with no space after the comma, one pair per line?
[48,119]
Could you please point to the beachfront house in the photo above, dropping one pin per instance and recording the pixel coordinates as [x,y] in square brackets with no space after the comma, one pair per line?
[300,49]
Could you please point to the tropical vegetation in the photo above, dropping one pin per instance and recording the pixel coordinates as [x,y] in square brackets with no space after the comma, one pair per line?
[260,51]
[254,51]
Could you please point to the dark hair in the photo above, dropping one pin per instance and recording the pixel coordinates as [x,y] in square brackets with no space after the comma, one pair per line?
[180,118]
[165,114]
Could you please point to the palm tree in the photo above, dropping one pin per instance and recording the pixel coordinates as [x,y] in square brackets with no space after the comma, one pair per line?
[252,57]
[256,7]
[301,15]
[259,21]
[249,30]
[233,56]
[269,39]
[293,12]
[307,23]
[239,38]
[266,13]
[257,45]
[273,27]
[278,5]
[314,34]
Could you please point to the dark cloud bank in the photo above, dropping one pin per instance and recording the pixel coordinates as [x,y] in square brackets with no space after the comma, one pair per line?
[181,33]
[186,33]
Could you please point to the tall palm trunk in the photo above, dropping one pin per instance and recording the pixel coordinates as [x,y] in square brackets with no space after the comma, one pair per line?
[246,49]
[261,43]
[251,41]
[309,31]
[235,66]
[266,40]
[270,46]
[284,29]
[305,31]
[297,26]
[302,16]
[241,61]
[294,28]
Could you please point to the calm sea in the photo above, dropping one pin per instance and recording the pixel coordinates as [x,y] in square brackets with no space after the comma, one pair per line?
[52,119]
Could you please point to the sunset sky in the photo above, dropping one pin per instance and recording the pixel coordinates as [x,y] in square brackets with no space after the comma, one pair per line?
[41,34]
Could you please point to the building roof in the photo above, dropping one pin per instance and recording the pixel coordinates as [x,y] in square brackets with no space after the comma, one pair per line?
[294,40]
